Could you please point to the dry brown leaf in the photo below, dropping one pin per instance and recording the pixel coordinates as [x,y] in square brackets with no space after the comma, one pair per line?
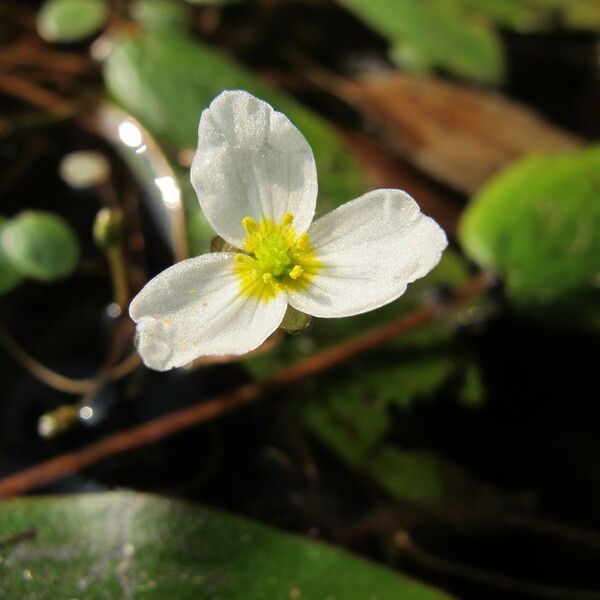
[456,134]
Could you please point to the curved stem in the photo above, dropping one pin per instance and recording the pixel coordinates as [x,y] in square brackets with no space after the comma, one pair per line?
[60,382]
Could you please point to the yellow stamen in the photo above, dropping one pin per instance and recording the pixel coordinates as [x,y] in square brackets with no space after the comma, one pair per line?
[276,259]
[296,272]
[303,241]
[249,224]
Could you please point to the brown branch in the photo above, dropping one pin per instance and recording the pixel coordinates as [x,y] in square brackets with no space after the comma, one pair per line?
[162,427]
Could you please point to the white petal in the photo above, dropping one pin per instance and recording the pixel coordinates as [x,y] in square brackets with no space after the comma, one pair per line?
[195,308]
[371,248]
[251,162]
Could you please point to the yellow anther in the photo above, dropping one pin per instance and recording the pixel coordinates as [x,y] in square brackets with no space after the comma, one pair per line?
[249,224]
[303,241]
[296,272]
[276,259]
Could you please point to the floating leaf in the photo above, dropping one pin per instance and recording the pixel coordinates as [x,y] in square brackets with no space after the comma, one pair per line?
[40,245]
[9,276]
[428,34]
[71,20]
[132,545]
[167,79]
[538,225]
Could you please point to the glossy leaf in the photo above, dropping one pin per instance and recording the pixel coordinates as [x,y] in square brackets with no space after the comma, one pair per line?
[40,245]
[538,225]
[9,276]
[71,20]
[126,545]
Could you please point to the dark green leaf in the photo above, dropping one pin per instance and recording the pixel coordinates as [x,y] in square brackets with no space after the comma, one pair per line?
[40,245]
[125,545]
[9,276]
[71,20]
[352,417]
[538,225]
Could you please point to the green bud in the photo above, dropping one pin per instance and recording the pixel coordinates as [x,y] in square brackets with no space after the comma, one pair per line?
[109,227]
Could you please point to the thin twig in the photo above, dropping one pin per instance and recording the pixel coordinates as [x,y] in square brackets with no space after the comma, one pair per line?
[162,427]
[38,96]
[520,587]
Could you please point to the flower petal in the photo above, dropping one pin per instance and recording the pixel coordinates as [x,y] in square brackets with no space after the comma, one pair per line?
[370,248]
[195,308]
[251,162]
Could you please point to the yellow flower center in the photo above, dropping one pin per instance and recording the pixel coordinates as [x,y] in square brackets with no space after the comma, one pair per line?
[275,258]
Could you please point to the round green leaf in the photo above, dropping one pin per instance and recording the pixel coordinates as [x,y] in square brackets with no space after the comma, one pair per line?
[538,225]
[125,545]
[71,20]
[40,245]
[9,276]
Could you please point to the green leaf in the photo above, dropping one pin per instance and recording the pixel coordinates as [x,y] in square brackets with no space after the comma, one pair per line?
[118,545]
[71,20]
[9,276]
[40,245]
[161,14]
[352,417]
[166,79]
[429,34]
[538,225]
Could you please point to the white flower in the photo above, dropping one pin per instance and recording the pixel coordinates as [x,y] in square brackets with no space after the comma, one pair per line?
[256,179]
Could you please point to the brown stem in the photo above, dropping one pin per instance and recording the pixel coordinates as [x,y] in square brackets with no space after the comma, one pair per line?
[156,429]
[36,95]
